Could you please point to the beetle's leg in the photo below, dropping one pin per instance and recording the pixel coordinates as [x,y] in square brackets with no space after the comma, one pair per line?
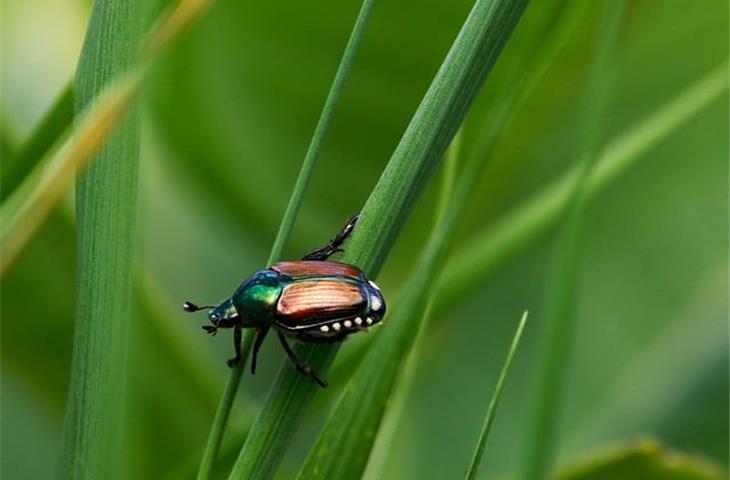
[256,345]
[303,368]
[237,346]
[334,245]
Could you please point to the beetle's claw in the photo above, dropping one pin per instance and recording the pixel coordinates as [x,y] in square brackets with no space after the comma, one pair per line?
[210,329]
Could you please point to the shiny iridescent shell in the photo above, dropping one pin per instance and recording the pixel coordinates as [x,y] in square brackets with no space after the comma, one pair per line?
[315,301]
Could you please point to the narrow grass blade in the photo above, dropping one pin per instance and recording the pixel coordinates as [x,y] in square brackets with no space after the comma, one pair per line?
[46,180]
[543,439]
[310,159]
[525,224]
[50,128]
[430,131]
[29,205]
[494,402]
[106,211]
[215,437]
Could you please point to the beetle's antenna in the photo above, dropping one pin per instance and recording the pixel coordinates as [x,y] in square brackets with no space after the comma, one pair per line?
[191,307]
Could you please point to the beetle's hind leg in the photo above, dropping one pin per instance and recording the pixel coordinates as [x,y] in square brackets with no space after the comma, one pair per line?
[303,368]
[334,245]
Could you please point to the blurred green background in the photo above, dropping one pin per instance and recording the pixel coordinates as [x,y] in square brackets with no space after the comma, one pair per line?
[228,115]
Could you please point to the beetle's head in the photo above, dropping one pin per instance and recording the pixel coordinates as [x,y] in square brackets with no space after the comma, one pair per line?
[224,315]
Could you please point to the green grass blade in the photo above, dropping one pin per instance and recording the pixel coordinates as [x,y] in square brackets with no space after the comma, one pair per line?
[223,412]
[315,145]
[525,224]
[50,128]
[215,437]
[430,131]
[106,212]
[543,440]
[494,402]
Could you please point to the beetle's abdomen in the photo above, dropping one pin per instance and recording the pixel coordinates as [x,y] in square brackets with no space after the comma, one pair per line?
[319,299]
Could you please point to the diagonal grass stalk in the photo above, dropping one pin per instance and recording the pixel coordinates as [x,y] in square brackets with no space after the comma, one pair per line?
[494,402]
[27,208]
[432,128]
[559,324]
[18,166]
[215,437]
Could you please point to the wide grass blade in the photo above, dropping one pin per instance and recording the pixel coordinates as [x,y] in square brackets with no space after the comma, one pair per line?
[434,124]
[559,324]
[215,437]
[106,212]
[494,402]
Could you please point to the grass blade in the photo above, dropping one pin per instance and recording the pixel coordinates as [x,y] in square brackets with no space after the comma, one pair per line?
[315,145]
[29,205]
[106,212]
[50,128]
[560,316]
[430,131]
[215,437]
[494,402]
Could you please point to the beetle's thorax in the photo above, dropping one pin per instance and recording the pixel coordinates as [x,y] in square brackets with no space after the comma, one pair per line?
[255,300]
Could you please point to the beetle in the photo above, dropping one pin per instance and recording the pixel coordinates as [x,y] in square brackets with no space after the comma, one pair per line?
[313,300]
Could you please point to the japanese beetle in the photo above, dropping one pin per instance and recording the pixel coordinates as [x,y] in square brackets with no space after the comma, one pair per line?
[313,300]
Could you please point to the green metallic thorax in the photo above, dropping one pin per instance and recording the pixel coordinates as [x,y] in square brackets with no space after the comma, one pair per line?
[255,300]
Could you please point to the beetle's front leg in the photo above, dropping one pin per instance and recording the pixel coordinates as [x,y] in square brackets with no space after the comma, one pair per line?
[303,368]
[237,346]
[256,345]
